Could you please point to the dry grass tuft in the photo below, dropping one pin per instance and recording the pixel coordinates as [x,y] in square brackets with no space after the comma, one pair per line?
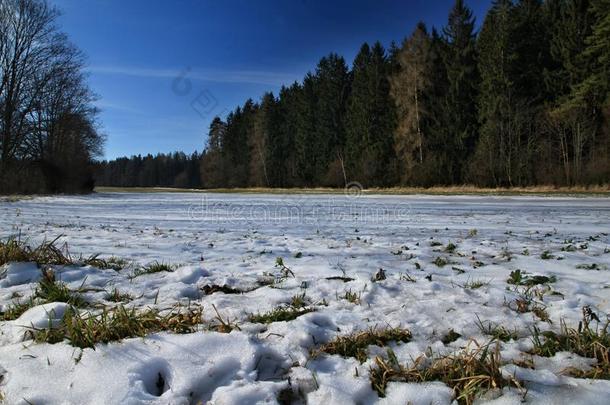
[86,330]
[584,341]
[16,309]
[222,325]
[470,372]
[151,268]
[525,302]
[356,344]
[299,300]
[280,314]
[474,284]
[353,297]
[450,248]
[49,253]
[496,331]
[15,250]
[50,290]
[113,263]
[116,296]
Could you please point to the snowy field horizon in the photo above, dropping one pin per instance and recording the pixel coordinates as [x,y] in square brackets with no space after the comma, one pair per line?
[278,280]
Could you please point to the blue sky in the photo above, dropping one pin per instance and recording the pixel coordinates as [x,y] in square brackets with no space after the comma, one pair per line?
[163,69]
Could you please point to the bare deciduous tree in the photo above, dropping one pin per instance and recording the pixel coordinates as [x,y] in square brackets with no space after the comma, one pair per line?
[407,87]
[46,108]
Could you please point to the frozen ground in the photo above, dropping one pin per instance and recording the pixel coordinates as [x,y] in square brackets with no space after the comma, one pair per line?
[234,240]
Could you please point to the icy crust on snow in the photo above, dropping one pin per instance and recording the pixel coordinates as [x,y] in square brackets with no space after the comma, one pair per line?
[234,240]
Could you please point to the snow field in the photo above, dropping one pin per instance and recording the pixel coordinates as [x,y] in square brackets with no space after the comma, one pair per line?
[446,261]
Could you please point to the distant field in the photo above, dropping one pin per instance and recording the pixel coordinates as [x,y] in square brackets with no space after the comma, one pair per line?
[454,190]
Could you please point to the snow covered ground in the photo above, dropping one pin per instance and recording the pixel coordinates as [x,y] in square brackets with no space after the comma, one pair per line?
[235,240]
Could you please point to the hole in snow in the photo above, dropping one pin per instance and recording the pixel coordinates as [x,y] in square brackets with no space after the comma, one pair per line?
[160,384]
[211,289]
[271,366]
[156,377]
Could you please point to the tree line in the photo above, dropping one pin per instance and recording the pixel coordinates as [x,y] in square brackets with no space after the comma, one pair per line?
[162,170]
[48,123]
[524,101]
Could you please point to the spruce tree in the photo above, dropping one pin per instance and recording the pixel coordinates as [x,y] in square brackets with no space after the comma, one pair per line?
[235,151]
[591,99]
[531,41]
[443,150]
[277,147]
[289,123]
[357,119]
[212,162]
[570,25]
[573,119]
[307,147]
[459,56]
[512,58]
[596,57]
[492,164]
[331,87]
[370,119]
[258,142]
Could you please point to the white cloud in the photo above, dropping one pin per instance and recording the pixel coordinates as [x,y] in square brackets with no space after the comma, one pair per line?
[225,76]
[104,104]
